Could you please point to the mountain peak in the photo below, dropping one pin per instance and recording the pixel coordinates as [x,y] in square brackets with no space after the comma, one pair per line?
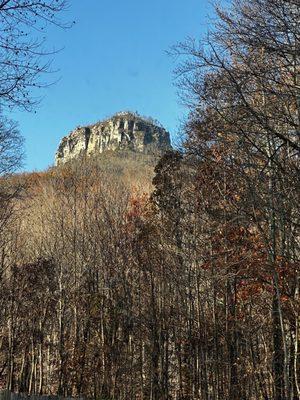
[125,130]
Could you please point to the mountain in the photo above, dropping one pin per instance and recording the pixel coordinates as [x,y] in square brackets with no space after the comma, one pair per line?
[123,131]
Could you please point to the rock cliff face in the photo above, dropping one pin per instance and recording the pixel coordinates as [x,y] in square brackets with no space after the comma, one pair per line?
[123,131]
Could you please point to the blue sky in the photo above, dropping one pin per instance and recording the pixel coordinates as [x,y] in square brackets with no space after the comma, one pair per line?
[113,59]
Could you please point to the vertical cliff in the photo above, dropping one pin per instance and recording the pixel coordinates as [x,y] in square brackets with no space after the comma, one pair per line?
[123,131]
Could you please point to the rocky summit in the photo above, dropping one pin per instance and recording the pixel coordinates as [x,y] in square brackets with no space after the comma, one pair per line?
[123,131]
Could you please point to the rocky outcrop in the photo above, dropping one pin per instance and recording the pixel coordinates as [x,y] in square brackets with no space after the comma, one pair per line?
[123,131]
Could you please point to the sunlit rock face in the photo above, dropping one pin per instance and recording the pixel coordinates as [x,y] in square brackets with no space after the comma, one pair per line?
[123,131]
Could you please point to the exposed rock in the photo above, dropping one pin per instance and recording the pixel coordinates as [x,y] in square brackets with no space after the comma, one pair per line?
[123,131]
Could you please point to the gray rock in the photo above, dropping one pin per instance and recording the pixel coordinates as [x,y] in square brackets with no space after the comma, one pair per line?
[123,131]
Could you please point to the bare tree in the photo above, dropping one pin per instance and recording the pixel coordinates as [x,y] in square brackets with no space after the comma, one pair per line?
[248,70]
[24,56]
[11,147]
[243,87]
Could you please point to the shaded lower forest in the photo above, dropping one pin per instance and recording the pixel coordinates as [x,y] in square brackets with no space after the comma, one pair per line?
[112,293]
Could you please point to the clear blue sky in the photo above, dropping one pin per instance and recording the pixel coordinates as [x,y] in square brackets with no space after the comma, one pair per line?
[114,59]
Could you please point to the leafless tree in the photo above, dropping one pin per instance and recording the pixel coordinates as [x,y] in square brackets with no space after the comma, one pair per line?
[11,147]
[24,56]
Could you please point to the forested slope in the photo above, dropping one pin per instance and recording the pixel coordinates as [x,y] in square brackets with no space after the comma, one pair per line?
[114,289]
